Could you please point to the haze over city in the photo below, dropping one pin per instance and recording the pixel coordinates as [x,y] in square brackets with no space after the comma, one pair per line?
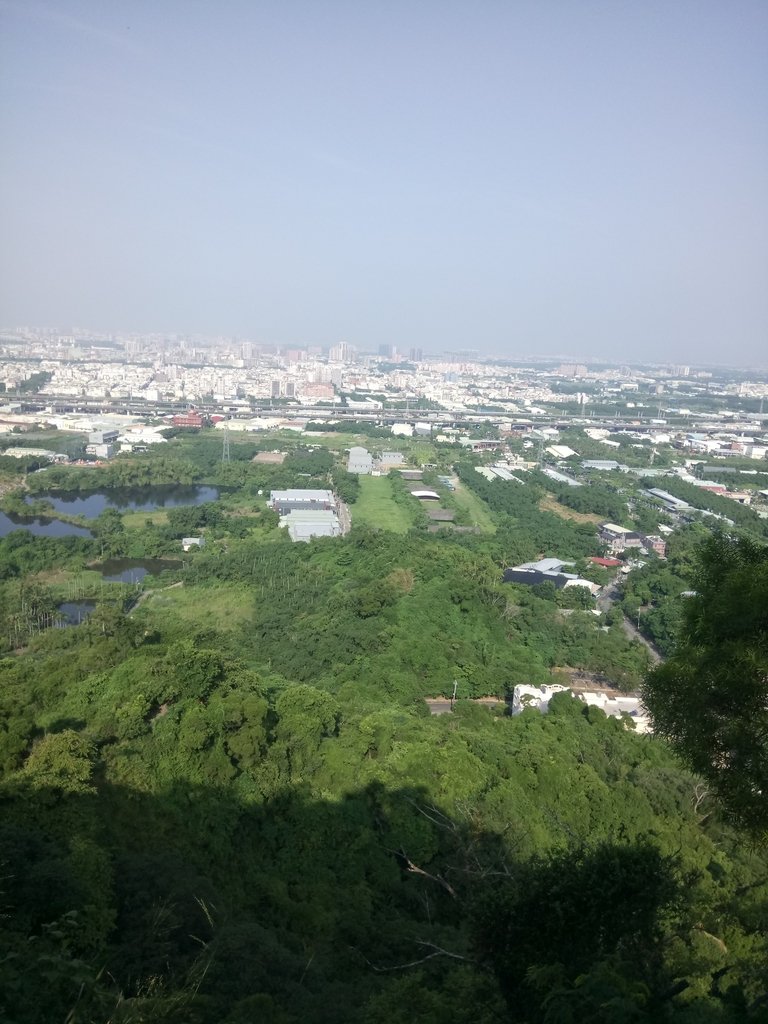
[585,180]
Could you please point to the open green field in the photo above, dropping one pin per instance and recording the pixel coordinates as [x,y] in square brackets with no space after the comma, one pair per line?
[476,507]
[376,506]
[422,449]
[220,608]
[137,520]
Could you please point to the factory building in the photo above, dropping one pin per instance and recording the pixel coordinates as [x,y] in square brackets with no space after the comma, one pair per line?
[298,499]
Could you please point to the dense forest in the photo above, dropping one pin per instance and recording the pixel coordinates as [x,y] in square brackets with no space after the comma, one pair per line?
[224,798]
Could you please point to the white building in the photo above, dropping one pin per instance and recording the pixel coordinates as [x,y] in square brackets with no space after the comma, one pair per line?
[360,461]
[538,697]
[305,524]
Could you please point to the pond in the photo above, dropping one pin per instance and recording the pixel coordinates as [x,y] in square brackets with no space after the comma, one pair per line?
[74,612]
[40,527]
[131,570]
[90,504]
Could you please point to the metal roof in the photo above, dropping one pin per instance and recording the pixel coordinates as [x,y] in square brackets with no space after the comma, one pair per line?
[301,494]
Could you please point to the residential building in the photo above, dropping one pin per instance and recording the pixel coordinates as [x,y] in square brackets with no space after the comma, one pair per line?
[619,538]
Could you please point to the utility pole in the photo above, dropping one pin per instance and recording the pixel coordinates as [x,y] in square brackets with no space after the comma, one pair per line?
[455,688]
[225,444]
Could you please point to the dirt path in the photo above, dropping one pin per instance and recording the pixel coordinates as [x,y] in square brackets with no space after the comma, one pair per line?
[345,518]
[148,593]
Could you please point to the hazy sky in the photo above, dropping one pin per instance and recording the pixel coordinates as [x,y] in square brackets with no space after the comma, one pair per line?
[517,176]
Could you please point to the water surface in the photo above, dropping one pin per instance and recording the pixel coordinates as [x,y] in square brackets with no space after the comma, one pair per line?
[74,612]
[40,527]
[131,570]
[90,504]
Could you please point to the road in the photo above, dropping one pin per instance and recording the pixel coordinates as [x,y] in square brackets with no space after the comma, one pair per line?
[606,600]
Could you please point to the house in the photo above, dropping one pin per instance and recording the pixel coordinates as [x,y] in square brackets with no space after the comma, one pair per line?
[656,544]
[187,543]
[619,538]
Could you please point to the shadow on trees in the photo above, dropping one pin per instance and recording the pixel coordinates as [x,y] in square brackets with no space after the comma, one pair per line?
[202,905]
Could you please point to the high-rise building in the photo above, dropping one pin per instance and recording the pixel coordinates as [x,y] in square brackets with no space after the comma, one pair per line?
[341,353]
[416,355]
[275,389]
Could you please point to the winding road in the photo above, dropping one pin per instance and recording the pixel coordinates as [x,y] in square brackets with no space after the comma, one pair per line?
[606,600]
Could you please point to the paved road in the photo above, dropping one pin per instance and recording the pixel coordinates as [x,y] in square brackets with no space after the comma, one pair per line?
[606,600]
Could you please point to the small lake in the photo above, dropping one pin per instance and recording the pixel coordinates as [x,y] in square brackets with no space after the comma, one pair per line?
[125,499]
[74,612]
[40,527]
[131,570]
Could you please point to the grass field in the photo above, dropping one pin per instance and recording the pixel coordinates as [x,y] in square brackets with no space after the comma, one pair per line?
[424,450]
[548,504]
[376,506]
[220,608]
[476,507]
[136,520]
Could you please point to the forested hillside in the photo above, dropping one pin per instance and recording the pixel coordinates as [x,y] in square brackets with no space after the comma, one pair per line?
[224,799]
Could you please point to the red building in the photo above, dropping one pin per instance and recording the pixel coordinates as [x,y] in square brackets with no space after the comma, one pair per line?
[188,419]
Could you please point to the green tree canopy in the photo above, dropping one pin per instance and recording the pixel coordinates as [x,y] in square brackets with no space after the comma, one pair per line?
[711,698]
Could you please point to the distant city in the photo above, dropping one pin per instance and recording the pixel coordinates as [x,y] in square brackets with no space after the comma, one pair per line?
[125,390]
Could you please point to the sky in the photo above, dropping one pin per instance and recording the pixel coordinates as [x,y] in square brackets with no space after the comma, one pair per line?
[586,178]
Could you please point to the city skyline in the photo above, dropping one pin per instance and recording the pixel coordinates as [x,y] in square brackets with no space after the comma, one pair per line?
[528,181]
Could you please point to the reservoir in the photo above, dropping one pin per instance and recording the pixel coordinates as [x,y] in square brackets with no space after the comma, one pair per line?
[127,499]
[40,527]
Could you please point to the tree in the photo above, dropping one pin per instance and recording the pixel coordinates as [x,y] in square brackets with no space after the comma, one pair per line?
[711,698]
[574,936]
